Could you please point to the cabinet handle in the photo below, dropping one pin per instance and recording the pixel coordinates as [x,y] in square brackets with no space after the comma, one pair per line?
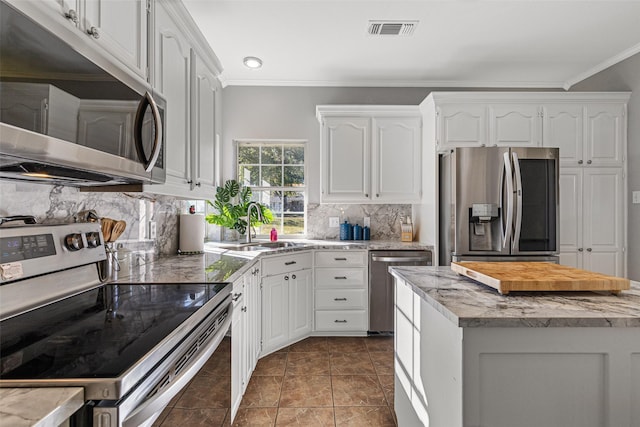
[589,249]
[340,259]
[483,145]
[72,15]
[190,182]
[293,276]
[340,277]
[289,263]
[339,299]
[339,321]
[286,277]
[588,162]
[580,249]
[197,184]
[580,162]
[244,309]
[93,32]
[236,297]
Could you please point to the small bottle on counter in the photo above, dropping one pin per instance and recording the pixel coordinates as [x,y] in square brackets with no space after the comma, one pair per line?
[366,233]
[274,234]
[357,232]
[346,232]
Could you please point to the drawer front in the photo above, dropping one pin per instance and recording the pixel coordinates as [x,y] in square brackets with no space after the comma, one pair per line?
[345,258]
[285,263]
[346,320]
[337,299]
[341,277]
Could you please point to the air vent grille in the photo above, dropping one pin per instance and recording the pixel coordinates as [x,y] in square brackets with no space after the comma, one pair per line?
[392,28]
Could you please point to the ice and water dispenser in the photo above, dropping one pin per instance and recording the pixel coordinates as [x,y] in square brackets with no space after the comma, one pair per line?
[484,227]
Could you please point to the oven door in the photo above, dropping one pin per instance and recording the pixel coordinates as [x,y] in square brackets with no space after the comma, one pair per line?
[144,404]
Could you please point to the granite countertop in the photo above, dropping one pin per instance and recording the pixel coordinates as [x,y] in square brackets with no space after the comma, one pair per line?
[470,304]
[39,406]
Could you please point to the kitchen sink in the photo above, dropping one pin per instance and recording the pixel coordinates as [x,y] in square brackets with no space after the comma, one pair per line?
[257,246]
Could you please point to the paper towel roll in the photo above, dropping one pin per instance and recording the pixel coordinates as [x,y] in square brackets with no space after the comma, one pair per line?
[191,233]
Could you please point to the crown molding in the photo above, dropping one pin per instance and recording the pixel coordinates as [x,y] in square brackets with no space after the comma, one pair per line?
[602,66]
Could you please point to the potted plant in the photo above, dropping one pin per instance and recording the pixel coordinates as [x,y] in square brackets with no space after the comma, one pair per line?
[231,202]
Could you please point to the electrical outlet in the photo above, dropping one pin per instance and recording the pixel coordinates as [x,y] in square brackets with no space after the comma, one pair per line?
[367,221]
[152,230]
[334,221]
[636,197]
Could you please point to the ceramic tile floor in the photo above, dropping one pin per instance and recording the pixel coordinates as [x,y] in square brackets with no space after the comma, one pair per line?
[334,381]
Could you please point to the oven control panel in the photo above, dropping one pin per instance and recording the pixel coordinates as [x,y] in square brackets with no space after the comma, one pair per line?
[27,251]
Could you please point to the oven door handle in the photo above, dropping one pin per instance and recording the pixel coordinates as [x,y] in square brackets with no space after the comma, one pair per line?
[161,400]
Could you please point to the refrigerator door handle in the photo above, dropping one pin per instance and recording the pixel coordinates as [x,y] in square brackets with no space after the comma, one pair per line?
[518,211]
[506,235]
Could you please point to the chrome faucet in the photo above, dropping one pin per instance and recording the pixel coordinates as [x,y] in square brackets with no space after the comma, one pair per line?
[259,211]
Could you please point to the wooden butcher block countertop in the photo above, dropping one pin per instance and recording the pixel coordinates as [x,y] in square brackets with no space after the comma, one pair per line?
[538,276]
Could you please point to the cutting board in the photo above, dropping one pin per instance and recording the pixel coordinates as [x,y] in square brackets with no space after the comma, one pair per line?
[538,276]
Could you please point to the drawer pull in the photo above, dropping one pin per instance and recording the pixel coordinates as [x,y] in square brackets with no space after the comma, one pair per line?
[339,299]
[340,321]
[340,277]
[340,259]
[289,263]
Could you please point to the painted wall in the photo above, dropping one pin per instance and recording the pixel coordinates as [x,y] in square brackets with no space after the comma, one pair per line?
[625,76]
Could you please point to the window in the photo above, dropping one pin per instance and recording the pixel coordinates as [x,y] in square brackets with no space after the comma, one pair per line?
[275,171]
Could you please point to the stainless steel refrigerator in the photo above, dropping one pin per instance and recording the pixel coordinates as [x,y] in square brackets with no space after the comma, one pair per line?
[499,204]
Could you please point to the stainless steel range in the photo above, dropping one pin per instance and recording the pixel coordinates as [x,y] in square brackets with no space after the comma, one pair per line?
[132,347]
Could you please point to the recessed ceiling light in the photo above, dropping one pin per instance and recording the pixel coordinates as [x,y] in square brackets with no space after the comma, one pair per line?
[252,62]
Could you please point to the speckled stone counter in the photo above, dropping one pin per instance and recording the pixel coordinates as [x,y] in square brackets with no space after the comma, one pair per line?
[470,304]
[38,406]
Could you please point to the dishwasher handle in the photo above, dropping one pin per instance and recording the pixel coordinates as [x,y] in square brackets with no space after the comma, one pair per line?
[401,258]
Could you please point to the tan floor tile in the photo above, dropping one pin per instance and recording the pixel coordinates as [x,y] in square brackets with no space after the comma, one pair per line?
[255,417]
[346,344]
[306,391]
[383,362]
[163,415]
[179,417]
[273,364]
[305,417]
[225,345]
[379,343]
[262,392]
[351,364]
[206,392]
[372,416]
[311,344]
[357,390]
[316,363]
[219,364]
[388,387]
[283,350]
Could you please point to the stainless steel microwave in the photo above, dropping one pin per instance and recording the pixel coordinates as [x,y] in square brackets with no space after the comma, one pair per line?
[66,120]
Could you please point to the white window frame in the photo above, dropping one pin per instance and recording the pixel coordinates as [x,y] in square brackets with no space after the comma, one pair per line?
[237,143]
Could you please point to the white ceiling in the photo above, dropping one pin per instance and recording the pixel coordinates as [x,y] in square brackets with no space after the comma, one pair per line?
[472,43]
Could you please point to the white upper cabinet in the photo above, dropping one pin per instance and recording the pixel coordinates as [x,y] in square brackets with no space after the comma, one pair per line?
[515,125]
[461,125]
[370,154]
[563,128]
[606,128]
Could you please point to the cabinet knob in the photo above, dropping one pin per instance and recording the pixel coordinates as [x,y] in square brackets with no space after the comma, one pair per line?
[377,195]
[244,309]
[198,184]
[93,32]
[236,297]
[190,182]
[589,249]
[72,15]
[293,276]
[580,162]
[580,249]
[286,277]
[588,162]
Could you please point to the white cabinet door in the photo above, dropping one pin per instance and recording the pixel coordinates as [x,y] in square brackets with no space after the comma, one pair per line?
[275,312]
[571,247]
[461,126]
[603,220]
[120,27]
[605,134]
[346,159]
[238,346]
[515,126]
[300,303]
[203,132]
[172,79]
[562,126]
[397,162]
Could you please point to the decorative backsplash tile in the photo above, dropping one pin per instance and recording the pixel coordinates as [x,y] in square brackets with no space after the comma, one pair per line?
[385,219]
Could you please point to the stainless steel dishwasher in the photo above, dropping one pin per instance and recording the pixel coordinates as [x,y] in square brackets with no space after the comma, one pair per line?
[381,283]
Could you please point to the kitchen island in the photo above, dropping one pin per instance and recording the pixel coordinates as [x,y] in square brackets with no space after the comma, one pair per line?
[467,356]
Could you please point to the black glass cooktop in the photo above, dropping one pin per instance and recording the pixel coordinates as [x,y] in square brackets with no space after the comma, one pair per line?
[99,333]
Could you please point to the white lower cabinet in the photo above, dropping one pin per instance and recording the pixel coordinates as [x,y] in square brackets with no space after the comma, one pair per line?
[245,334]
[341,297]
[287,300]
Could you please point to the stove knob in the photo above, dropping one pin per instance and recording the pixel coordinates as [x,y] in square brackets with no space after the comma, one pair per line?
[73,242]
[93,239]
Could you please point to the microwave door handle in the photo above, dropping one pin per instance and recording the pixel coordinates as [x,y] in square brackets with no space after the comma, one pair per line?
[518,210]
[150,162]
[508,178]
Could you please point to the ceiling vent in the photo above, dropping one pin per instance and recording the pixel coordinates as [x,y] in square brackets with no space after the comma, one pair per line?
[392,28]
